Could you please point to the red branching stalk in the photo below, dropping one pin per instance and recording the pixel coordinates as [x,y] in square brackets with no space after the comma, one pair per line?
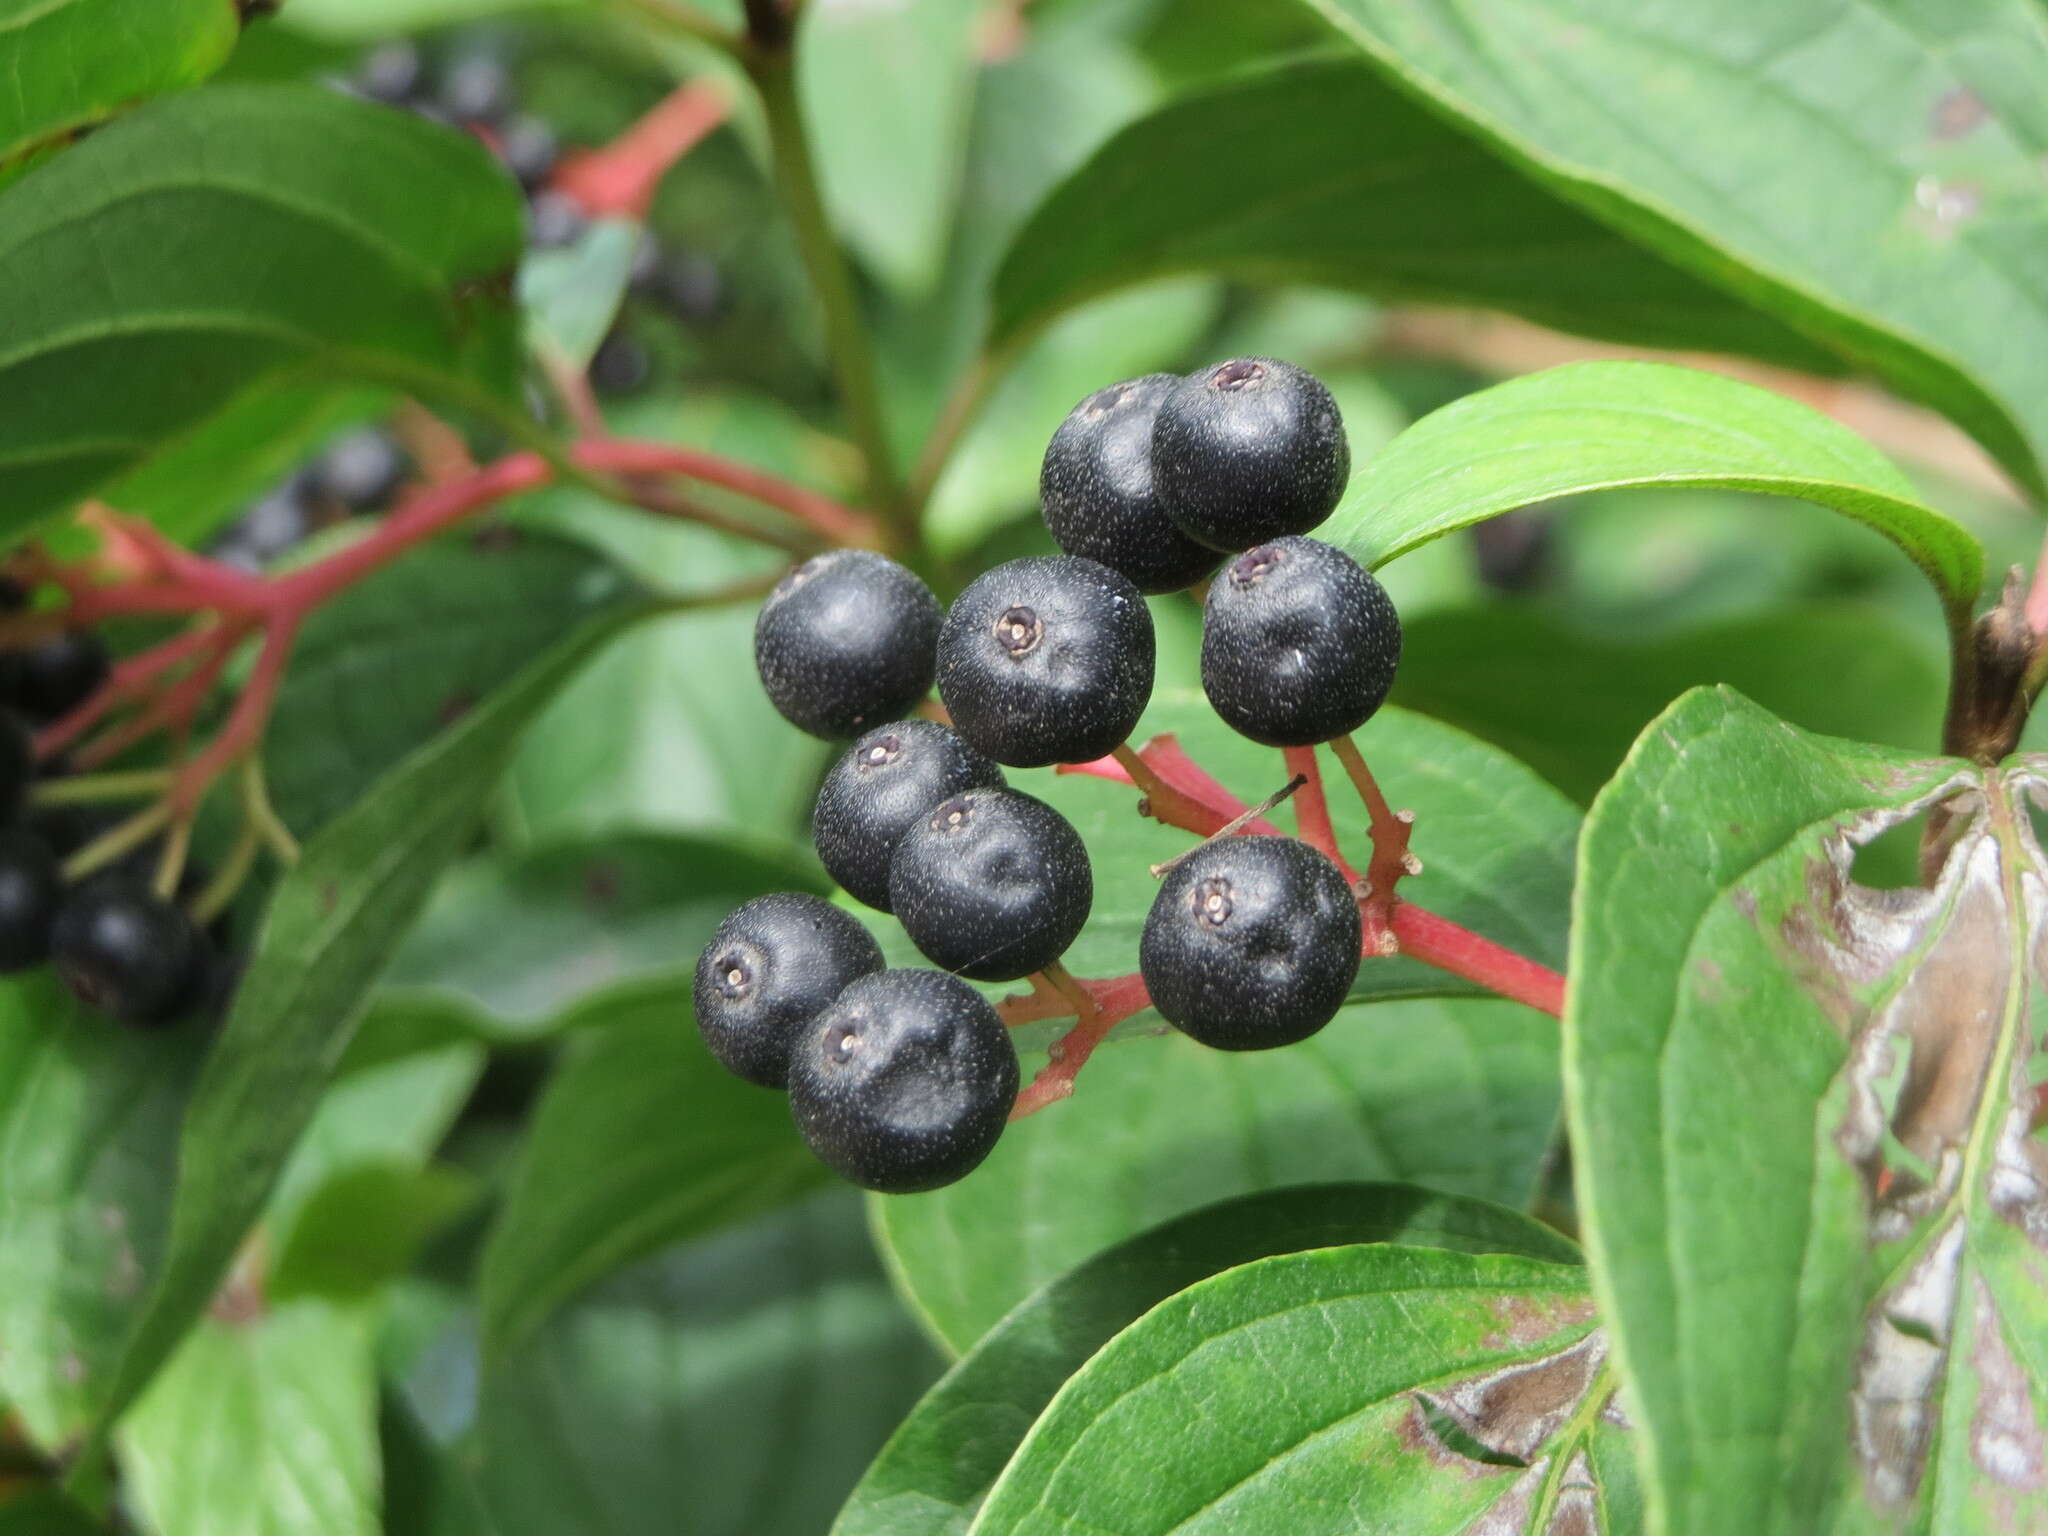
[619,180]
[138,571]
[1442,943]
[1110,1002]
[1312,810]
[1178,791]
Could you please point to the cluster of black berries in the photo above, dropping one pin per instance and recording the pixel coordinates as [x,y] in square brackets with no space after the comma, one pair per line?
[124,951]
[902,1079]
[473,89]
[358,473]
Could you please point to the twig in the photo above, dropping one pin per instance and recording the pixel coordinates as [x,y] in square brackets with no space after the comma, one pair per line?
[1312,810]
[847,340]
[1437,941]
[1231,828]
[1391,859]
[620,179]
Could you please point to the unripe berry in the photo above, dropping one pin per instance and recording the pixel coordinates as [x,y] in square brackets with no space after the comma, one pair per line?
[1095,489]
[886,781]
[1299,643]
[774,965]
[905,1082]
[124,950]
[993,884]
[1252,942]
[1247,451]
[845,642]
[1047,660]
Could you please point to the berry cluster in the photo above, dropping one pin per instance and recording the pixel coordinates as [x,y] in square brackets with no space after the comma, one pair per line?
[358,473]
[123,949]
[900,1079]
[473,88]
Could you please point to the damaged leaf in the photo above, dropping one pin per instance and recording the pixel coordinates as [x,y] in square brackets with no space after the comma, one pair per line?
[1803,1111]
[1370,1387]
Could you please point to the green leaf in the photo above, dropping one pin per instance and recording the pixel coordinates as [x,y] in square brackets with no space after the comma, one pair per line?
[572,296]
[88,1132]
[331,926]
[522,936]
[265,1425]
[1371,1387]
[1499,672]
[362,1229]
[1902,227]
[933,1474]
[373,677]
[886,91]
[215,244]
[1319,172]
[670,728]
[1460,1097]
[641,1140]
[1604,426]
[46,1512]
[207,477]
[1495,841]
[1800,1108]
[733,1387]
[68,64]
[356,1199]
[373,20]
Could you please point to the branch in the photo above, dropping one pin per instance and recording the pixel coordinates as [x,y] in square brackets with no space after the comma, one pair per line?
[846,336]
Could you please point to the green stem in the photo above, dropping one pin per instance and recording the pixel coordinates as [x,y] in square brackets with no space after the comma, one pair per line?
[1564,1450]
[170,867]
[90,788]
[846,335]
[259,813]
[104,850]
[225,886]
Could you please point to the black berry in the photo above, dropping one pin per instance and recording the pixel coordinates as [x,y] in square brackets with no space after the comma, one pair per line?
[1095,489]
[124,951]
[477,88]
[905,1082]
[620,366]
[886,782]
[1247,451]
[31,885]
[54,676]
[845,642]
[17,765]
[391,73]
[1299,643]
[1252,942]
[282,520]
[1047,660]
[528,149]
[554,219]
[992,883]
[773,966]
[361,470]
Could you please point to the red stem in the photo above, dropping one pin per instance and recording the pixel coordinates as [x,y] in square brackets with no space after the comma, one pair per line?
[128,680]
[1449,947]
[1312,809]
[1113,1000]
[620,179]
[827,517]
[245,722]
